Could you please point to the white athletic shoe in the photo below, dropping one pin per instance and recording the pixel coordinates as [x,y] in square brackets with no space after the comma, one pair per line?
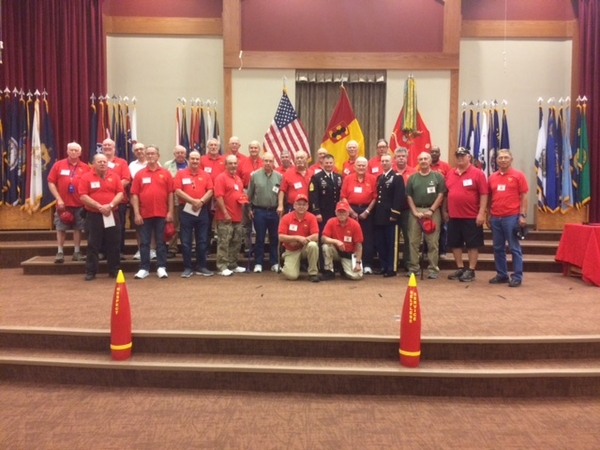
[239,269]
[141,274]
[368,270]
[226,273]
[152,254]
[275,268]
[257,268]
[137,256]
[162,273]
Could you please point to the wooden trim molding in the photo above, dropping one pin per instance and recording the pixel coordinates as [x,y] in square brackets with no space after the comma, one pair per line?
[452,26]
[177,26]
[518,29]
[453,122]
[349,60]
[228,112]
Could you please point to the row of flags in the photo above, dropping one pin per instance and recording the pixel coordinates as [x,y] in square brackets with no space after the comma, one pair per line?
[115,118]
[287,133]
[562,167]
[27,150]
[483,133]
[204,125]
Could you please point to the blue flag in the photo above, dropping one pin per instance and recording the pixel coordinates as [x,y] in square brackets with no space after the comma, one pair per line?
[494,137]
[552,187]
[462,136]
[540,162]
[504,140]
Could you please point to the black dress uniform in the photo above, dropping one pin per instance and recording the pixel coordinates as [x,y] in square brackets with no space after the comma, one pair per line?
[391,200]
[323,194]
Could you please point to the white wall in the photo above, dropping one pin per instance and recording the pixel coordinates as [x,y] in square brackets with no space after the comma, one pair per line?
[159,70]
[519,72]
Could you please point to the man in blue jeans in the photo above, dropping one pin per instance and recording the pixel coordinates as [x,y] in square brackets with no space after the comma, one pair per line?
[262,194]
[194,188]
[508,212]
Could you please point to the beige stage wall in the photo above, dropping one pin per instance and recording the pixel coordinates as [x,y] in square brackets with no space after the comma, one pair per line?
[158,70]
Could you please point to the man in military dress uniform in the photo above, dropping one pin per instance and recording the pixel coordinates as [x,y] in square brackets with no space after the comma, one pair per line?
[391,200]
[324,193]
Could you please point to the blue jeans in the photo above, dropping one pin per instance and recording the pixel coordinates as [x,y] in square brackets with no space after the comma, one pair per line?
[266,221]
[193,227]
[154,225]
[502,232]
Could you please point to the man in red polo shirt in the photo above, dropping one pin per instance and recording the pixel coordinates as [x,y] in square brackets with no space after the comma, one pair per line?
[152,201]
[464,209]
[374,167]
[295,182]
[352,149]
[121,168]
[230,200]
[318,165]
[299,233]
[342,240]
[508,212]
[234,149]
[101,192]
[359,189]
[245,170]
[213,164]
[194,188]
[62,182]
[286,162]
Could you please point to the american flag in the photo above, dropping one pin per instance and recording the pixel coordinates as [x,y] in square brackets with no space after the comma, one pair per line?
[286,132]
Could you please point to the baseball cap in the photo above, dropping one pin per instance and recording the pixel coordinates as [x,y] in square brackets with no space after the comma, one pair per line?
[519,231]
[301,197]
[462,151]
[427,225]
[66,217]
[342,206]
[169,231]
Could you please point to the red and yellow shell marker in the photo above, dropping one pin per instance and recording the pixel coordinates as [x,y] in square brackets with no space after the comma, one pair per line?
[410,326]
[120,321]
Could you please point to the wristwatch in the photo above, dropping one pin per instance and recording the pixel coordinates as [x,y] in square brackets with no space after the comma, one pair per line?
[523,216]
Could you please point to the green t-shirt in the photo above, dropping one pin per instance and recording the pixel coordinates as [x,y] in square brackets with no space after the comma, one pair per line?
[424,189]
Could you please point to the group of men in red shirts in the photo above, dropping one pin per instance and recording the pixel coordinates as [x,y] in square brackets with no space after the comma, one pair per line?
[357,212]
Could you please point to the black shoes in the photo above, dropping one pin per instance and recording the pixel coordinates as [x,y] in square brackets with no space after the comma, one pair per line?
[514,282]
[314,278]
[328,275]
[467,276]
[90,276]
[456,275]
[389,274]
[499,280]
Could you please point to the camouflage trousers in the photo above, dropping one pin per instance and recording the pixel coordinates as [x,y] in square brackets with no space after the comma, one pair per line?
[229,242]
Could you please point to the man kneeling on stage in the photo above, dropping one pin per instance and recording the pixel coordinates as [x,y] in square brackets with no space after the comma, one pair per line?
[342,241]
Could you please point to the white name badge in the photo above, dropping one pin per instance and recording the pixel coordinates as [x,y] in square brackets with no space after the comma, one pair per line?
[293,227]
[236,187]
[65,172]
[501,187]
[347,238]
[375,169]
[358,189]
[95,185]
[186,181]
[317,171]
[468,182]
[208,169]
[431,189]
[111,165]
[146,180]
[275,189]
[298,185]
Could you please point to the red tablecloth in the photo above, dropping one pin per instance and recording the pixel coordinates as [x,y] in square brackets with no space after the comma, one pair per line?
[580,246]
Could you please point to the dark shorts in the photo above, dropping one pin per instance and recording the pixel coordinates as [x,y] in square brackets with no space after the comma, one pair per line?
[464,233]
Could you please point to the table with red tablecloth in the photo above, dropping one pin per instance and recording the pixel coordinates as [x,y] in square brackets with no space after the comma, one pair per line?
[580,246]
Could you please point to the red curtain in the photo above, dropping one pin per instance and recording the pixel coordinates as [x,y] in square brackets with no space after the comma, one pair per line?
[57,45]
[589,33]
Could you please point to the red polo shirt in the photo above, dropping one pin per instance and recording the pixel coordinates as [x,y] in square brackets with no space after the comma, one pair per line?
[350,234]
[246,167]
[213,167]
[121,168]
[292,226]
[359,192]
[64,174]
[294,183]
[505,190]
[464,191]
[408,171]
[193,185]
[231,189]
[153,188]
[348,168]
[98,189]
[374,167]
